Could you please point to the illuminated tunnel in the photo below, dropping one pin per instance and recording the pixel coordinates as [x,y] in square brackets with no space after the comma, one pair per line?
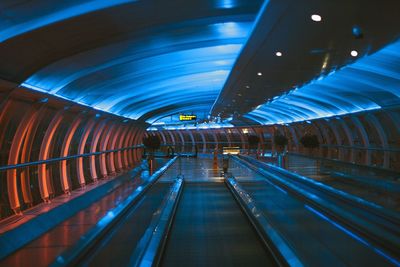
[84,82]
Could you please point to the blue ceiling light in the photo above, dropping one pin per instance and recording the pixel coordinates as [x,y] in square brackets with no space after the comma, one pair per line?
[30,21]
[230,29]
[226,3]
[368,84]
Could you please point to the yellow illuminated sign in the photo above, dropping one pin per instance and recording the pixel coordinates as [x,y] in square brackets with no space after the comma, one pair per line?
[233,150]
[187,117]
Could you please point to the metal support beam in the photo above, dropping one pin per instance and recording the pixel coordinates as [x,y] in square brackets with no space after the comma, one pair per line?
[81,149]
[93,147]
[12,184]
[364,136]
[65,179]
[45,183]
[382,137]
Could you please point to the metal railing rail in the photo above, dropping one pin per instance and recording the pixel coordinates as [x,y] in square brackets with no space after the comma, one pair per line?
[394,150]
[345,163]
[53,160]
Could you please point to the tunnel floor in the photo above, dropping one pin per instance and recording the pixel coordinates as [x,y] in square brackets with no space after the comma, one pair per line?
[210,228]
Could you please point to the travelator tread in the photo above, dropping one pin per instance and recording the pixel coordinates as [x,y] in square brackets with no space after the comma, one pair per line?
[210,229]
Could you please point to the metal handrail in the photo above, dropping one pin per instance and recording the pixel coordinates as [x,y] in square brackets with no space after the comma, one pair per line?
[199,142]
[345,163]
[396,150]
[52,160]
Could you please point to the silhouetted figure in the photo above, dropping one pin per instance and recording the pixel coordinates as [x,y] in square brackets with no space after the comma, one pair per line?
[225,163]
[170,152]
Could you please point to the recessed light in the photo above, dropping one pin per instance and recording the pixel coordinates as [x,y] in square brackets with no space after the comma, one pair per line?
[354,53]
[316,17]
[247,86]
[357,32]
[278,54]
[259,74]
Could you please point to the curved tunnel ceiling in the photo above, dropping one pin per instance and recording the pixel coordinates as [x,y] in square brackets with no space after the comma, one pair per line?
[148,60]
[373,82]
[142,60]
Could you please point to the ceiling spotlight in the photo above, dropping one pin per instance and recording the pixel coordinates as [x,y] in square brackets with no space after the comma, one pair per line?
[278,54]
[259,74]
[316,17]
[354,53]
